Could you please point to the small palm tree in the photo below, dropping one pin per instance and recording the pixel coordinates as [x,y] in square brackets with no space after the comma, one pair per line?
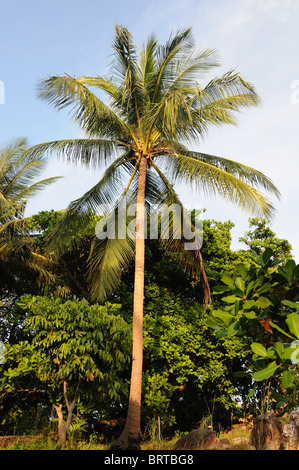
[19,172]
[156,107]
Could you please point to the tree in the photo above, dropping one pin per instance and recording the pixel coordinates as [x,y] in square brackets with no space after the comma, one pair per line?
[260,305]
[156,106]
[19,172]
[261,237]
[75,348]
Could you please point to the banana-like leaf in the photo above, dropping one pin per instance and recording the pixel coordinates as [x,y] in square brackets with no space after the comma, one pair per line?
[211,180]
[111,252]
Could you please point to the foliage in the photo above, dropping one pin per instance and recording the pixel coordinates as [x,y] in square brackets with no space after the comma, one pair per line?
[155,105]
[261,237]
[22,267]
[260,306]
[187,371]
[216,250]
[177,337]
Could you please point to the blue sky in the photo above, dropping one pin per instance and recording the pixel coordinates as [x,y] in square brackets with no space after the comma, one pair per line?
[258,38]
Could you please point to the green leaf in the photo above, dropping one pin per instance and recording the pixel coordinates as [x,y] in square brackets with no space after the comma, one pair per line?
[241,270]
[240,284]
[220,289]
[276,395]
[259,349]
[250,315]
[230,299]
[241,374]
[288,303]
[267,255]
[265,288]
[279,349]
[287,378]
[271,352]
[227,280]
[265,373]
[293,323]
[250,287]
[223,316]
[252,392]
[280,329]
[248,304]
[262,302]
[233,328]
[221,334]
[290,351]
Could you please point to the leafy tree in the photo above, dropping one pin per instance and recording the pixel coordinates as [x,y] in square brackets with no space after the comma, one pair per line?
[176,337]
[187,371]
[261,237]
[260,305]
[75,348]
[156,105]
[216,250]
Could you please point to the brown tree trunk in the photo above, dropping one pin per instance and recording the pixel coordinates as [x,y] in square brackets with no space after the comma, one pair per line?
[64,426]
[131,436]
[61,427]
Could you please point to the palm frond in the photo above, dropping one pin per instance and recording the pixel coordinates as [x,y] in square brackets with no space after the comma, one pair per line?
[178,45]
[147,66]
[111,252]
[95,153]
[125,69]
[96,202]
[12,151]
[211,180]
[216,103]
[246,173]
[10,225]
[178,233]
[93,116]
[19,172]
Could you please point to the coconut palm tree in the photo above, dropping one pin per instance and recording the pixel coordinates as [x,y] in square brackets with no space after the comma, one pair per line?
[19,174]
[156,109]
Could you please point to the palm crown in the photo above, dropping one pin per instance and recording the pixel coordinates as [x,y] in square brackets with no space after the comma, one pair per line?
[155,108]
[19,173]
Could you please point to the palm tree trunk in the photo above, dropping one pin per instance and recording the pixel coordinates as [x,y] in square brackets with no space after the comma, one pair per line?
[131,435]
